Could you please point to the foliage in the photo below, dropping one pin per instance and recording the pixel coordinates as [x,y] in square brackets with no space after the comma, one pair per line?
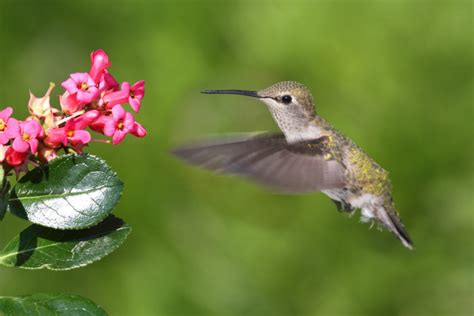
[395,76]
[68,199]
[71,192]
[49,305]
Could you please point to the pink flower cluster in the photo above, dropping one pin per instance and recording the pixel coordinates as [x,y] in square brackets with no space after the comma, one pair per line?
[91,100]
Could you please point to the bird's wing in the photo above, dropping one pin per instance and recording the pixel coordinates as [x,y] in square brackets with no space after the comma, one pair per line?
[270,160]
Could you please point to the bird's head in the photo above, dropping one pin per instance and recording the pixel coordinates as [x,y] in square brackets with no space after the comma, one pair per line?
[287,97]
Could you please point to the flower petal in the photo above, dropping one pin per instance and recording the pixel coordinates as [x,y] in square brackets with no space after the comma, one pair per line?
[86,119]
[84,96]
[56,137]
[128,121]
[20,145]
[138,89]
[6,113]
[13,128]
[134,103]
[118,112]
[99,123]
[69,103]
[4,138]
[79,77]
[32,128]
[81,136]
[33,145]
[108,82]
[118,137]
[109,128]
[14,158]
[99,61]
[118,97]
[138,130]
[70,85]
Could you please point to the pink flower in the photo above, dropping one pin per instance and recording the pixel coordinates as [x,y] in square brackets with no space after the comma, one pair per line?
[108,82]
[86,119]
[111,99]
[99,123]
[99,61]
[15,158]
[67,135]
[8,126]
[138,130]
[69,103]
[120,125]
[56,137]
[83,86]
[26,136]
[73,132]
[137,91]
[77,137]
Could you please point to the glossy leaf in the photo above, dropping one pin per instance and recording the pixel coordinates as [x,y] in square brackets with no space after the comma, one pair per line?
[49,304]
[71,192]
[39,247]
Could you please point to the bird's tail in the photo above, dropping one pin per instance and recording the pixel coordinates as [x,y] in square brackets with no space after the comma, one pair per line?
[389,218]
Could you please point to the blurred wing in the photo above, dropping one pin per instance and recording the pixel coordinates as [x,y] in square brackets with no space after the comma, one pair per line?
[270,160]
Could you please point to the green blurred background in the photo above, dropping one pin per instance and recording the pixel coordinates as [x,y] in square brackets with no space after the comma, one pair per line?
[396,76]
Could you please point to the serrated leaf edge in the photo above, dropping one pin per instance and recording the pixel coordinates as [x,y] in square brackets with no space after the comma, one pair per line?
[46,265]
[71,156]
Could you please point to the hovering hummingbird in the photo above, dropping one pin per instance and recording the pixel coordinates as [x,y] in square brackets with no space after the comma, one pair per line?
[309,156]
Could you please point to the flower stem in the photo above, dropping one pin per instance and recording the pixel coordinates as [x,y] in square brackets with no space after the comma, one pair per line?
[64,120]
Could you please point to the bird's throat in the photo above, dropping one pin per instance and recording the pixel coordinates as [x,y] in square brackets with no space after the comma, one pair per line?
[297,128]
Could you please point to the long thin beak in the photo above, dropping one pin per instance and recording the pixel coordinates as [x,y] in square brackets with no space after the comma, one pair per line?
[240,92]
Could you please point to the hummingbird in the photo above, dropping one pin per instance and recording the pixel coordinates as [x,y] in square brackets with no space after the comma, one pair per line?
[308,156]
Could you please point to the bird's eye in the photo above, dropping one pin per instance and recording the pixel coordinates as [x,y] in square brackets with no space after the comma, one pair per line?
[286,99]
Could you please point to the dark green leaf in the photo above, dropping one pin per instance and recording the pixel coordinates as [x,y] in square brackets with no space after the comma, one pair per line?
[4,194]
[48,304]
[71,192]
[39,247]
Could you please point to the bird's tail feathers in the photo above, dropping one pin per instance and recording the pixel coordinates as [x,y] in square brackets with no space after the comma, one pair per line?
[390,219]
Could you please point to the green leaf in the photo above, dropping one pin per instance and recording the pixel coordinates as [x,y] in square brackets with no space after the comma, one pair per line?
[39,247]
[71,192]
[49,304]
[4,194]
